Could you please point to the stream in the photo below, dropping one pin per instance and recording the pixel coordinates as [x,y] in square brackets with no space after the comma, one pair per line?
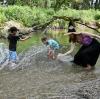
[37,77]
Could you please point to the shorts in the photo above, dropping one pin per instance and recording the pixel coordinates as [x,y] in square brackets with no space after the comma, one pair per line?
[13,56]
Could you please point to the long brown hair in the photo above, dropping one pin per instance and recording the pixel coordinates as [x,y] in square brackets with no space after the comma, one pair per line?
[72,38]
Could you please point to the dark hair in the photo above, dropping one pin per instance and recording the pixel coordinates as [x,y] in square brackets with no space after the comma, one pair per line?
[43,39]
[72,38]
[71,23]
[13,29]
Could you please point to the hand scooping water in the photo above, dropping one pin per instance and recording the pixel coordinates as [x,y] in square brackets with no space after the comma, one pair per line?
[65,58]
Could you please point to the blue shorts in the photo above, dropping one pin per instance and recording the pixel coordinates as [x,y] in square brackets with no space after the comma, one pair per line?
[12,56]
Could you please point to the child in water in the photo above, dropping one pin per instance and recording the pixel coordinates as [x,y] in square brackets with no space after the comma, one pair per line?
[12,39]
[52,46]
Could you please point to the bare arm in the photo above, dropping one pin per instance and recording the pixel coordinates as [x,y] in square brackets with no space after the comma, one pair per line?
[71,49]
[92,35]
[23,39]
[69,52]
[85,33]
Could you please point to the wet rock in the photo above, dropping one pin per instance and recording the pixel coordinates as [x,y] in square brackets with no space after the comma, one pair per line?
[9,24]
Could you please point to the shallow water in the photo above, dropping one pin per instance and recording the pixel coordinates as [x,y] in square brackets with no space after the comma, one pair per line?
[37,77]
[40,78]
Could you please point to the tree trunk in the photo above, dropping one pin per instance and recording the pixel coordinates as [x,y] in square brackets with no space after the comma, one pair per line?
[86,4]
[12,2]
[78,21]
[92,3]
[97,3]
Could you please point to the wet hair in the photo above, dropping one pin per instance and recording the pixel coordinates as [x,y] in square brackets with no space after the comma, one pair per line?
[43,39]
[13,29]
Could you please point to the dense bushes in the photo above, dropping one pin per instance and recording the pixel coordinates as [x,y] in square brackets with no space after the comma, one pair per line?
[25,15]
[85,15]
[29,16]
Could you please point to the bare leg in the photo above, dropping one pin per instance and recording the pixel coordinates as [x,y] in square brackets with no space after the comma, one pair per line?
[54,57]
[51,54]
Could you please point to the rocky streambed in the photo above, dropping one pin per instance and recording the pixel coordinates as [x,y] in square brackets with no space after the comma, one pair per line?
[37,77]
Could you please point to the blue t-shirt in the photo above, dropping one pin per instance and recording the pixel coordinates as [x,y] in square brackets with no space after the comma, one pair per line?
[53,44]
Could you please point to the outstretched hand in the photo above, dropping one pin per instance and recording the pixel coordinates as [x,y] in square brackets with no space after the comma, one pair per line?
[60,55]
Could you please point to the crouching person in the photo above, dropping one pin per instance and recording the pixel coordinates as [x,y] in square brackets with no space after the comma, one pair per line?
[52,45]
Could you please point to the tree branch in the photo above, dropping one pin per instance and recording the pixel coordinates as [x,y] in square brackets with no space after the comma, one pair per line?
[77,20]
[88,26]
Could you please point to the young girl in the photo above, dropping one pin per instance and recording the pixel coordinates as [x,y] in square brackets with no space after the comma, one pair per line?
[52,45]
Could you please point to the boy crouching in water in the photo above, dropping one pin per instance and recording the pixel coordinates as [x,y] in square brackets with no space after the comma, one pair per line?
[12,39]
[52,46]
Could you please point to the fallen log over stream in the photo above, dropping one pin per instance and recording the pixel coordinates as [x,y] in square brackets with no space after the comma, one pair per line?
[75,20]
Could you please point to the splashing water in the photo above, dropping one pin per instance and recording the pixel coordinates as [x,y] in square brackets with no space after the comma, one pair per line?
[4,52]
[37,77]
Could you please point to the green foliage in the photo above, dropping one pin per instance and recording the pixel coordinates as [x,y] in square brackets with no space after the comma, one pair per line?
[97,17]
[25,14]
[2,18]
[85,15]
[57,4]
[36,15]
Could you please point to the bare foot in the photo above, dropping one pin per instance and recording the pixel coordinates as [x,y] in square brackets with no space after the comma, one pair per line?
[53,57]
[89,67]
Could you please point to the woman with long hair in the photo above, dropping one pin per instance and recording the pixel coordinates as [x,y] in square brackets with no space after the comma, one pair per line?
[89,52]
